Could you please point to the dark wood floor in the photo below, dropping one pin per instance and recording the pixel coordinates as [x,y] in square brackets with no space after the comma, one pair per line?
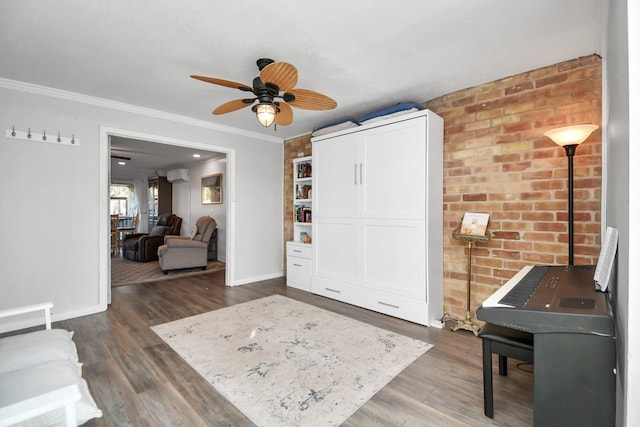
[137,380]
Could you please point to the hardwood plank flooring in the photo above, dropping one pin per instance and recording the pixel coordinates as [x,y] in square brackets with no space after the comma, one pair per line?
[137,380]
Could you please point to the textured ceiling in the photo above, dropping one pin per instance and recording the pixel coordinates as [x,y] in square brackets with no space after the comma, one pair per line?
[152,159]
[364,54]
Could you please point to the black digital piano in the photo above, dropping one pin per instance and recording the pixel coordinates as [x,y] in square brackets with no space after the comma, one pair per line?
[573,341]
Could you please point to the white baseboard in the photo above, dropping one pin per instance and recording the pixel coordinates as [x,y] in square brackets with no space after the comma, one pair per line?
[38,320]
[258,278]
[437,324]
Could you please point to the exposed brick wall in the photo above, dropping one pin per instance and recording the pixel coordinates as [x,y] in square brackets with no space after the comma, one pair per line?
[497,160]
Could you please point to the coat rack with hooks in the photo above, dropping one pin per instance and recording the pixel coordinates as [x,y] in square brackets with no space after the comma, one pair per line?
[52,138]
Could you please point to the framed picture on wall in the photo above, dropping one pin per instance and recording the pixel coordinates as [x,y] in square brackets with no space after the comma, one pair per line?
[211,189]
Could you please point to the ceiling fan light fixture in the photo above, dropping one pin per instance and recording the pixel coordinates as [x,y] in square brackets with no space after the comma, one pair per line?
[266,114]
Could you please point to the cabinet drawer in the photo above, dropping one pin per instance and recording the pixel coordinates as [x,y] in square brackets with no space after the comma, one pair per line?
[299,250]
[299,273]
[336,290]
[398,306]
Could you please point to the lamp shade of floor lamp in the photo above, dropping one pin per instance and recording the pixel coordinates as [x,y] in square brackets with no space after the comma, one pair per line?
[570,137]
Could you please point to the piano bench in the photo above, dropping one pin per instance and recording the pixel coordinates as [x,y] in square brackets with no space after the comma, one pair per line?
[505,342]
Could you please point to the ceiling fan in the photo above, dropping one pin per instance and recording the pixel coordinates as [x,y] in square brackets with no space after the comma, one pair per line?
[275,91]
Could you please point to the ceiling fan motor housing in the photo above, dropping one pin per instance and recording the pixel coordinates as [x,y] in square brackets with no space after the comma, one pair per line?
[263,62]
[265,92]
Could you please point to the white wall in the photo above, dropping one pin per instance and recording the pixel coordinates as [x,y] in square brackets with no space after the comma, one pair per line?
[51,196]
[188,204]
[622,72]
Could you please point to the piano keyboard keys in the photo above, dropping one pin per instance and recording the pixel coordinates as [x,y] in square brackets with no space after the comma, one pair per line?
[520,294]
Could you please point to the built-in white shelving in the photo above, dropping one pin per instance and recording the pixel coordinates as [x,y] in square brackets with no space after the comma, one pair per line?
[302,198]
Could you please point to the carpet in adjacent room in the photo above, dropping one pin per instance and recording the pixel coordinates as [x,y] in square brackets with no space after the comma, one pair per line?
[125,272]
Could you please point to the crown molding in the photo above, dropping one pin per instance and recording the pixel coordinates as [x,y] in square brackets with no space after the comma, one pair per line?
[129,108]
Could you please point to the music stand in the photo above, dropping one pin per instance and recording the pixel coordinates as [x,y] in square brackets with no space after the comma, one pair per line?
[468,324]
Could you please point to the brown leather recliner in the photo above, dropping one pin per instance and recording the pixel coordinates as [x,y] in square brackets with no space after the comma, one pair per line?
[143,247]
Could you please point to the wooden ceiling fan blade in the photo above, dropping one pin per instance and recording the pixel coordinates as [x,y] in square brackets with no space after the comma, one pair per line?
[310,100]
[285,116]
[282,74]
[234,105]
[222,82]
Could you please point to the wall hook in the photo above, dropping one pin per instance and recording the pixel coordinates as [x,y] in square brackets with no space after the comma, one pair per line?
[41,137]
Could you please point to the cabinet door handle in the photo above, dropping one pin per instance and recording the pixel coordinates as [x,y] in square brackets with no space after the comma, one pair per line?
[297,265]
[333,290]
[355,173]
[297,250]
[388,305]
[360,173]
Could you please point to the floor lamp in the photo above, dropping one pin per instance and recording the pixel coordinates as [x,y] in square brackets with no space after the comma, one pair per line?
[570,137]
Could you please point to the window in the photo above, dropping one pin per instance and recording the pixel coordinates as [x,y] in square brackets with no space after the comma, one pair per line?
[120,195]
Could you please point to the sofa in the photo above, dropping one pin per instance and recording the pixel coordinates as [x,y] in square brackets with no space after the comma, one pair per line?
[143,247]
[41,380]
[180,252]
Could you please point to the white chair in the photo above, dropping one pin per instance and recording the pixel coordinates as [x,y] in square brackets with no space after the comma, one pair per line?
[40,377]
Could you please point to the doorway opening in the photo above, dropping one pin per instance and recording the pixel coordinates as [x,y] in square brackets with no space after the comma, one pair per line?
[164,144]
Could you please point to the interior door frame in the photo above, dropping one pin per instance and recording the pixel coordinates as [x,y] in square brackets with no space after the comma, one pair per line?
[104,278]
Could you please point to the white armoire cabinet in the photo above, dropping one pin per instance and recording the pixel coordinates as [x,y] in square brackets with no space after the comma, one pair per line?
[377,216]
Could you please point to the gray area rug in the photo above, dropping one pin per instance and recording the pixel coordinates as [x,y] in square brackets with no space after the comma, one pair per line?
[125,272]
[286,363]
